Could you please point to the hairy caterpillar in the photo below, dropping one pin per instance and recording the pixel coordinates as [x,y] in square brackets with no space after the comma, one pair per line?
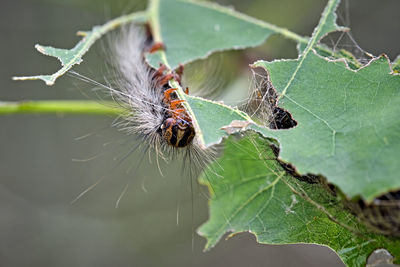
[153,111]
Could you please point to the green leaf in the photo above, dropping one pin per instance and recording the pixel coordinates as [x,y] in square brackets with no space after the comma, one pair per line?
[346,119]
[348,129]
[250,192]
[71,57]
[191,30]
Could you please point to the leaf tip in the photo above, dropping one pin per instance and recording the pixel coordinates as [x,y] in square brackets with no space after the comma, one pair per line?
[24,78]
[82,33]
[48,79]
[343,29]
[40,48]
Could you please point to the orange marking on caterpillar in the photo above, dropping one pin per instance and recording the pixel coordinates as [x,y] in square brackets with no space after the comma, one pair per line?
[167,94]
[175,103]
[157,46]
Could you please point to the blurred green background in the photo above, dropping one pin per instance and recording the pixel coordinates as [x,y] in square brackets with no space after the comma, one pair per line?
[156,219]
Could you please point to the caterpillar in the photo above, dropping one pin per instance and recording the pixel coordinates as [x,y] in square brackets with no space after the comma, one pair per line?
[153,110]
[177,128]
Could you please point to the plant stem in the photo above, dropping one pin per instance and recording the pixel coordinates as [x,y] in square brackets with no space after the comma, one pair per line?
[61,106]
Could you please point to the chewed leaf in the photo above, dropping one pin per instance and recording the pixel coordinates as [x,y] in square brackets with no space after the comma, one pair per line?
[68,58]
[252,193]
[348,128]
[192,30]
[71,57]
[347,119]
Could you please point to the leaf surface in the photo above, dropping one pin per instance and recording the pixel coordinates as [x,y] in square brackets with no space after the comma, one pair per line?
[211,115]
[191,30]
[347,129]
[250,192]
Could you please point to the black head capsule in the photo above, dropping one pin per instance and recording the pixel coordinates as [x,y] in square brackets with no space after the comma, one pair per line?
[177,132]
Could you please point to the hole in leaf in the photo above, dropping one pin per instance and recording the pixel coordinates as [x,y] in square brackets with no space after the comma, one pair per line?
[263,104]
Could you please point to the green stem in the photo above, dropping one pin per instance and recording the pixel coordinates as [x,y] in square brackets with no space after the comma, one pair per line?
[61,106]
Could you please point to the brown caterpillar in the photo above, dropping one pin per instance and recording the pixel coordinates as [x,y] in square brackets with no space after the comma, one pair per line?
[153,110]
[177,128]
